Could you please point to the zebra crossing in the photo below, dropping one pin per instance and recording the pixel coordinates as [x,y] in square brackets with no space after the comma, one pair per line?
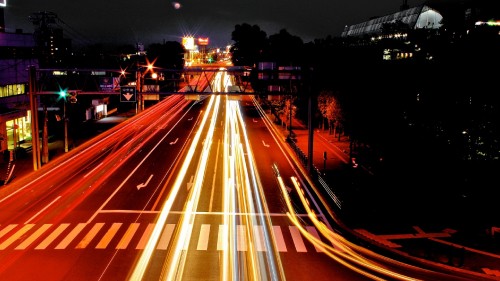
[135,236]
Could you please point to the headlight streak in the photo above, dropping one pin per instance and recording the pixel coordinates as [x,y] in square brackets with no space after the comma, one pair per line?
[340,256]
[242,193]
[274,262]
[245,201]
[176,261]
[145,257]
[248,200]
[89,148]
[330,212]
[229,271]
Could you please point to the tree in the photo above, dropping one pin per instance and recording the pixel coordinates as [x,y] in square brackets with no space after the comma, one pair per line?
[288,111]
[330,110]
[167,55]
[286,49]
[250,44]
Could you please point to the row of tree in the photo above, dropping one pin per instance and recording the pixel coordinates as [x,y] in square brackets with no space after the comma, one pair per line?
[421,105]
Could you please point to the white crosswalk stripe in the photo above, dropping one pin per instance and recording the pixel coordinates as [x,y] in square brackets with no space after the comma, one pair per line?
[297,239]
[203,239]
[46,242]
[127,237]
[83,235]
[65,242]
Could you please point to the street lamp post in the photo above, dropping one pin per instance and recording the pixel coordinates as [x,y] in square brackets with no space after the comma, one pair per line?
[65,127]
[35,138]
[139,80]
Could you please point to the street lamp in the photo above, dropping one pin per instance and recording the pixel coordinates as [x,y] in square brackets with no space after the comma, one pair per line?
[140,80]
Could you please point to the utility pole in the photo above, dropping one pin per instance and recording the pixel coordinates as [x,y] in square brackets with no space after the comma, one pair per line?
[65,127]
[45,134]
[35,138]
[310,123]
[138,82]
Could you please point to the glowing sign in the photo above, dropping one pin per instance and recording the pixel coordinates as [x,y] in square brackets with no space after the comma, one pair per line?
[202,41]
[188,43]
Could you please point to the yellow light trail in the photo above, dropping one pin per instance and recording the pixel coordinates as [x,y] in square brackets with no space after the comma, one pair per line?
[145,257]
[242,193]
[347,254]
[176,260]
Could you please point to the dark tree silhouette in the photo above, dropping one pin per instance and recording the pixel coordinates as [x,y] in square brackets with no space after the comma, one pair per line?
[167,55]
[250,42]
[286,49]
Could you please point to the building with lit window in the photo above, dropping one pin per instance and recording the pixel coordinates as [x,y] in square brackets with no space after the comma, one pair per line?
[17,54]
[401,35]
[420,17]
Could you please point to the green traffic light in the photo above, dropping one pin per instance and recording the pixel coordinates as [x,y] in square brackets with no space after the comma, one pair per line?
[63,93]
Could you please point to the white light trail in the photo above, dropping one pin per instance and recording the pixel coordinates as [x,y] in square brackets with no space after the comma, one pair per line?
[143,262]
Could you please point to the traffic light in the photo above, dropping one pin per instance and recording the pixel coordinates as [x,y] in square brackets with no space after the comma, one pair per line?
[63,93]
[72,97]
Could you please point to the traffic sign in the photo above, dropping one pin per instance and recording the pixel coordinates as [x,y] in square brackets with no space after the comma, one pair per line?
[128,94]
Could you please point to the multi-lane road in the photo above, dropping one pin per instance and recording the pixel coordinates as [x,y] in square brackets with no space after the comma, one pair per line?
[186,190]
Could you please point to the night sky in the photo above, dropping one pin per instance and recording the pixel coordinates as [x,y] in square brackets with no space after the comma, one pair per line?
[154,21]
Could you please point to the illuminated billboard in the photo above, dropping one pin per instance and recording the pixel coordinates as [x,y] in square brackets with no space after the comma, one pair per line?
[202,41]
[188,43]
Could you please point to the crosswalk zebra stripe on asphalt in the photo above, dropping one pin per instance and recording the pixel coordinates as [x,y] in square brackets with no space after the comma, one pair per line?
[107,233]
[108,236]
[297,239]
[65,242]
[203,238]
[145,237]
[260,243]
[46,242]
[221,246]
[280,240]
[186,242]
[33,237]
[312,230]
[127,237]
[7,229]
[16,236]
[241,238]
[90,235]
[165,237]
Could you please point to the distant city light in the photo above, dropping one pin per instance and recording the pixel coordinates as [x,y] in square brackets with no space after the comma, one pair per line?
[490,23]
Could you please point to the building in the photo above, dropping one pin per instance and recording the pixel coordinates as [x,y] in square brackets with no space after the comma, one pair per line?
[406,34]
[420,17]
[17,54]
[53,48]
